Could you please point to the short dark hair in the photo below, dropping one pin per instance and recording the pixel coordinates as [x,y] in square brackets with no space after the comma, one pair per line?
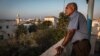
[74,4]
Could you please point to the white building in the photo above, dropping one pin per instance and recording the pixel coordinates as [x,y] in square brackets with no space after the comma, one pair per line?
[27,25]
[7,28]
[52,19]
[96,27]
[18,19]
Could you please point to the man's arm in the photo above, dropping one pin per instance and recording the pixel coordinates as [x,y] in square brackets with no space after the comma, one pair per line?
[67,38]
[69,35]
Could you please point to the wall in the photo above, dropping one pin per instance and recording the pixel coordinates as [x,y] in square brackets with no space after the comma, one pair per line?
[8,28]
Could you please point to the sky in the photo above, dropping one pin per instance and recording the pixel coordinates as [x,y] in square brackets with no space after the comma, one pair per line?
[41,8]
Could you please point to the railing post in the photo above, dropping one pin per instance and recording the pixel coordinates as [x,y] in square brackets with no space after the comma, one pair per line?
[90,16]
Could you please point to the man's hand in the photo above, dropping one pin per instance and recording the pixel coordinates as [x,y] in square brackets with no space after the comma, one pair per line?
[59,51]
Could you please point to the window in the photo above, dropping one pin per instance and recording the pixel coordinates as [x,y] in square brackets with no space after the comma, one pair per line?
[7,26]
[1,37]
[8,35]
[0,27]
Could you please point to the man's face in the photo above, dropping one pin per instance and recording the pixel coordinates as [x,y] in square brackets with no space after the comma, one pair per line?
[69,10]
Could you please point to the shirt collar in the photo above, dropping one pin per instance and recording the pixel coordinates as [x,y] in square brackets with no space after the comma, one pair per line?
[73,14]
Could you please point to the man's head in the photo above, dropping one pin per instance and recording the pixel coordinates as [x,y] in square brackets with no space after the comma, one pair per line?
[70,8]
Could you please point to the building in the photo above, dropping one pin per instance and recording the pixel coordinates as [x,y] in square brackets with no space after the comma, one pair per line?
[52,19]
[7,28]
[96,27]
[18,19]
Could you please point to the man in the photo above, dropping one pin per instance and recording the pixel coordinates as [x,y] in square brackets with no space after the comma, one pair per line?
[77,33]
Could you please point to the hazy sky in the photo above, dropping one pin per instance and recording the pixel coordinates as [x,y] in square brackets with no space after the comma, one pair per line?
[41,8]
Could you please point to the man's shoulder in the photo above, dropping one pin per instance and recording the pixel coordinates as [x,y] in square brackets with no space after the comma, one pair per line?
[81,15]
[77,14]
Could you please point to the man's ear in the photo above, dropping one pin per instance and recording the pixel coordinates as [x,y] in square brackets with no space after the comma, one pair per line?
[72,7]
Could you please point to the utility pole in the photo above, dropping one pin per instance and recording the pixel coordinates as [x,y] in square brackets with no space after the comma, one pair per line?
[90,16]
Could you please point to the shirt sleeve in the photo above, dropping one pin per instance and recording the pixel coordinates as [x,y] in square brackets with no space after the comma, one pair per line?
[73,24]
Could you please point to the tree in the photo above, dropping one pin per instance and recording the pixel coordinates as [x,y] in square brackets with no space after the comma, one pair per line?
[47,23]
[21,29]
[62,21]
[61,26]
[32,28]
